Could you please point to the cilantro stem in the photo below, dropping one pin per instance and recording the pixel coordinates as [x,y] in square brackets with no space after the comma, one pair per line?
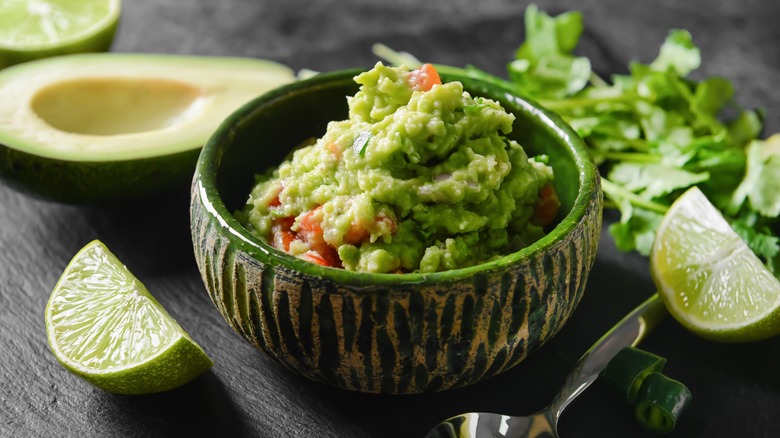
[577,103]
[614,191]
[597,81]
[395,57]
[636,144]
[634,157]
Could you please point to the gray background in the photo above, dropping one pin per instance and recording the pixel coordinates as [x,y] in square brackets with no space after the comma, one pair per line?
[736,387]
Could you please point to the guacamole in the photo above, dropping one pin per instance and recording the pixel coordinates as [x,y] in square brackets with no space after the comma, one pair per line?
[419,178]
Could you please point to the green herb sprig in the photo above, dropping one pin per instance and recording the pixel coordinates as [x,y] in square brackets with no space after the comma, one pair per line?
[361,143]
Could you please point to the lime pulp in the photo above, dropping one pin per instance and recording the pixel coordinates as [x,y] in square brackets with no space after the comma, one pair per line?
[105,327]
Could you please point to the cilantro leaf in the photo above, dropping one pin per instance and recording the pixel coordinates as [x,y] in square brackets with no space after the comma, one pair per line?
[637,232]
[759,187]
[475,108]
[653,180]
[361,142]
[712,95]
[639,218]
[678,53]
[746,127]
[544,64]
[758,236]
[545,34]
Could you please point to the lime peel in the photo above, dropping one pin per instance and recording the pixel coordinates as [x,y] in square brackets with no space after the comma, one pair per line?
[104,326]
[710,280]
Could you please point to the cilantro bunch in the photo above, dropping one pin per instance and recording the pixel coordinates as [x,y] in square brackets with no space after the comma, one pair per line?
[653,132]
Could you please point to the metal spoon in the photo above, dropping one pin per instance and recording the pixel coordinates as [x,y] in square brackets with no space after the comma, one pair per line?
[628,332]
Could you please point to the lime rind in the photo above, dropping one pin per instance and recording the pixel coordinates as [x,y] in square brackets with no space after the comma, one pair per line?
[710,280]
[178,364]
[104,326]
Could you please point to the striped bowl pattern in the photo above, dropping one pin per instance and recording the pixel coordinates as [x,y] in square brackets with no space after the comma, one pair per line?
[404,339]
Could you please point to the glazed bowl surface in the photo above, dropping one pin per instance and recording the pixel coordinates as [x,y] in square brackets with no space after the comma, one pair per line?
[387,333]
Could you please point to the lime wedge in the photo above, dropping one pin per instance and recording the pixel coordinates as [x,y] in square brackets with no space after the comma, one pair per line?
[33,29]
[711,282]
[105,327]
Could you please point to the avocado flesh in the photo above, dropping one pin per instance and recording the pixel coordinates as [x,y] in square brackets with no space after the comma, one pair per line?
[97,116]
[116,106]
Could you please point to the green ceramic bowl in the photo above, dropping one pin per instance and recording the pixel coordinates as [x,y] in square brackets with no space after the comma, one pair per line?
[387,333]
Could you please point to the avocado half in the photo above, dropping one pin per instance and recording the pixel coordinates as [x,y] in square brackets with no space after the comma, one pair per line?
[96,128]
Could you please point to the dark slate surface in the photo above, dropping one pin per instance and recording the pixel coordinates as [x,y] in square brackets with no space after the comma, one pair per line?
[736,387]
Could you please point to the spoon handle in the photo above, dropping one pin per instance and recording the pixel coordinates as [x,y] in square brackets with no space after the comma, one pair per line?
[628,332]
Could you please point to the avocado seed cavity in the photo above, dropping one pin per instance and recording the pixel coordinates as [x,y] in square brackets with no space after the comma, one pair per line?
[116,106]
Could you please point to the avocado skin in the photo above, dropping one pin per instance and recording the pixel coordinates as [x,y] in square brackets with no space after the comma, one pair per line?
[94,182]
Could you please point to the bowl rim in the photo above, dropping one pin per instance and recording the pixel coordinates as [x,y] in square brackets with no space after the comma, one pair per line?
[209,161]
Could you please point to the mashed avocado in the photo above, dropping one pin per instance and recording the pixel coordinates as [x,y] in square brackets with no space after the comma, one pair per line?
[420,178]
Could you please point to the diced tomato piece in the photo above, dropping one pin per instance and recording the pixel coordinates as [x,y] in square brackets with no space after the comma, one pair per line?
[547,208]
[315,257]
[329,258]
[276,202]
[282,238]
[309,231]
[310,228]
[356,234]
[334,149]
[286,222]
[390,223]
[332,256]
[424,78]
[281,234]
